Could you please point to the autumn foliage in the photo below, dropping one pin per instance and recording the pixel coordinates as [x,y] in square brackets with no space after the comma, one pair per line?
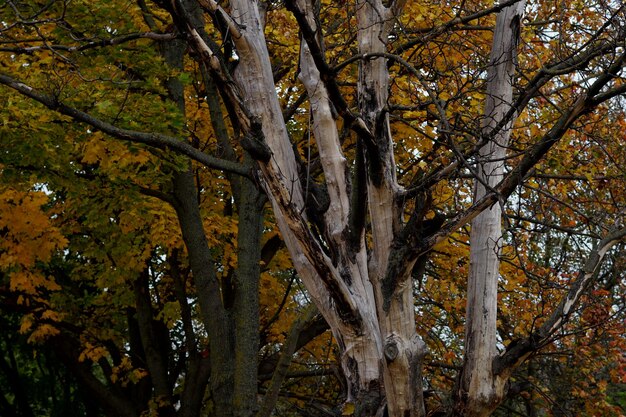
[103,308]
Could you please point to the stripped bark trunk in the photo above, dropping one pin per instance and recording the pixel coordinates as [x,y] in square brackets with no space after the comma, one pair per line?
[386,344]
[337,282]
[361,344]
[403,348]
[481,390]
[347,291]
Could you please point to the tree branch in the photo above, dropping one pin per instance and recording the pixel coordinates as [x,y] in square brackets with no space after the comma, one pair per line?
[93,44]
[111,400]
[156,140]
[327,74]
[431,32]
[289,348]
[519,350]
[532,156]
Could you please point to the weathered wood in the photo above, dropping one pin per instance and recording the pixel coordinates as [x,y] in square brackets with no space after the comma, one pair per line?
[481,390]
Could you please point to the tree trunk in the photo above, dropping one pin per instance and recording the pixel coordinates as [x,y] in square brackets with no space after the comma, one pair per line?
[215,318]
[403,349]
[375,330]
[156,361]
[361,343]
[246,297]
[481,390]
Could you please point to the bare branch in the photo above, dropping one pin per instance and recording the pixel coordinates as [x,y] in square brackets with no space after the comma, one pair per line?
[327,74]
[289,348]
[532,156]
[519,350]
[432,32]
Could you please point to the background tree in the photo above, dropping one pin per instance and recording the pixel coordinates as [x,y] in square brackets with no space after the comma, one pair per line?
[148,267]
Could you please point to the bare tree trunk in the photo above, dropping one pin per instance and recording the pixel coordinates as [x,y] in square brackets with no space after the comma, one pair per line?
[403,348]
[362,346]
[382,358]
[480,389]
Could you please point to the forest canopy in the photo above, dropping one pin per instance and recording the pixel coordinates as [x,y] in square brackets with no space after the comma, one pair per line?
[312,208]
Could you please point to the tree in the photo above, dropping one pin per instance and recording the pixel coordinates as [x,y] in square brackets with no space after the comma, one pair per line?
[368,172]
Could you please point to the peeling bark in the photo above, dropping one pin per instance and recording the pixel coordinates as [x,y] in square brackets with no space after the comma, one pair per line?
[404,349]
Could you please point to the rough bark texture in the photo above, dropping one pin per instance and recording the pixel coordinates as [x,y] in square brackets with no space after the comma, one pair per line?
[246,299]
[155,360]
[214,317]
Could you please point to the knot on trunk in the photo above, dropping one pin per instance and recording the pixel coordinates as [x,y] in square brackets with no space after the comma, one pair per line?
[391,349]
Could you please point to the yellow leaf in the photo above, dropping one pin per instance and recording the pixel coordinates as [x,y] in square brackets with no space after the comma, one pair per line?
[42,333]
[26,324]
[347,409]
